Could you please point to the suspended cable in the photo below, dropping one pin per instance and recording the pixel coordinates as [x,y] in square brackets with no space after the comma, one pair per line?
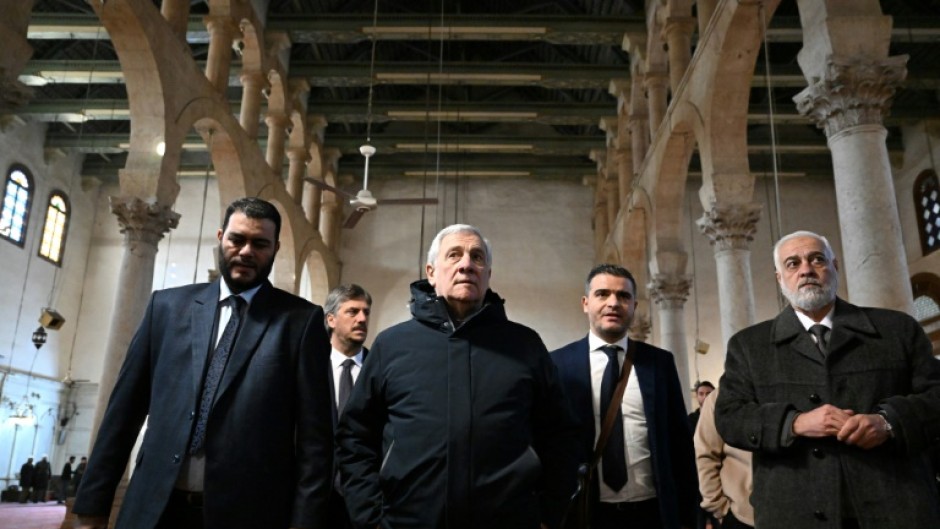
[694,284]
[770,111]
[202,215]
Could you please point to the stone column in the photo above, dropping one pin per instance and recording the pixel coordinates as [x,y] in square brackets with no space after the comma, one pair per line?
[640,328]
[656,92]
[705,8]
[330,212]
[669,293]
[298,158]
[176,13]
[277,134]
[221,32]
[601,225]
[640,143]
[678,32]
[313,197]
[849,102]
[730,229]
[250,115]
[612,189]
[143,225]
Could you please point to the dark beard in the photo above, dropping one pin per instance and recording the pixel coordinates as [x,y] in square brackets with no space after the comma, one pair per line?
[241,286]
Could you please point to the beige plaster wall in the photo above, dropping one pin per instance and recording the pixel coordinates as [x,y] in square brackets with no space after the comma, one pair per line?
[540,234]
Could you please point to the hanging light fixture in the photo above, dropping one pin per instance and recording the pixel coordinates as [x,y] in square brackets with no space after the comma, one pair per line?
[39,337]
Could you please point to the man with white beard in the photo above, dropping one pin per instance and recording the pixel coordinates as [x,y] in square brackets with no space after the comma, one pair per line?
[838,403]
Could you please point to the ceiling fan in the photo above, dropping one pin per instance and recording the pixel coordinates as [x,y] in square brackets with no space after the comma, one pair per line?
[364,201]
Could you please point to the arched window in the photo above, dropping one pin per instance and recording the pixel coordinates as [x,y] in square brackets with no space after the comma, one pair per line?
[15,212]
[926,290]
[927,204]
[53,231]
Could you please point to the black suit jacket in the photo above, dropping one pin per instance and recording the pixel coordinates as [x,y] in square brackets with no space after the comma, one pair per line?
[670,441]
[269,446]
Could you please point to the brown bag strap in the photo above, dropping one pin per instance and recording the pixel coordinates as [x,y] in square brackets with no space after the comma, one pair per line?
[615,403]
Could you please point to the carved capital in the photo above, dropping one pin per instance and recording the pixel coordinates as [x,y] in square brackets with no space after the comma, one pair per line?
[670,291]
[852,93]
[142,222]
[730,227]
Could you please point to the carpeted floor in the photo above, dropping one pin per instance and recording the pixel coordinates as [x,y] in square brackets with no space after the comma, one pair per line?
[47,515]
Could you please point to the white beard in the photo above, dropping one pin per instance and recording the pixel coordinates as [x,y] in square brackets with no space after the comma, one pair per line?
[811,298]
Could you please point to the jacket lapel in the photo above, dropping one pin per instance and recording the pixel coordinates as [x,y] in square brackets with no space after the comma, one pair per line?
[204,308]
[257,318]
[787,328]
[847,321]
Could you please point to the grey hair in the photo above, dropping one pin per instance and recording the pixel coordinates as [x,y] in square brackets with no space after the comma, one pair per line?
[340,295]
[458,228]
[827,248]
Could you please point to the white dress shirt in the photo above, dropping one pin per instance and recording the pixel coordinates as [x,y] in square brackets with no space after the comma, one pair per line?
[192,473]
[640,483]
[336,360]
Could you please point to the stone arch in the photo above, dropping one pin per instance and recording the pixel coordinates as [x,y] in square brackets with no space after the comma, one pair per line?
[723,146]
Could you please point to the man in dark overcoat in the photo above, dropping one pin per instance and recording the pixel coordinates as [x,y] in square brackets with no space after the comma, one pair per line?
[838,403]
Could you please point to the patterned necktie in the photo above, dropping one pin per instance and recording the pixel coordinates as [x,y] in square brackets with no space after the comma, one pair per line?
[613,462]
[214,374]
[821,332]
[345,385]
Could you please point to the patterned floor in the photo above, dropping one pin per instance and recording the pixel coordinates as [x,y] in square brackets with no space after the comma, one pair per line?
[47,515]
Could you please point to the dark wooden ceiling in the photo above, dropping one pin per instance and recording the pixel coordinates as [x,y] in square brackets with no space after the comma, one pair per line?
[522,94]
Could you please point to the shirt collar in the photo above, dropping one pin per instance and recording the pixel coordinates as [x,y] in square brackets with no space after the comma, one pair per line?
[595,342]
[808,322]
[337,358]
[225,292]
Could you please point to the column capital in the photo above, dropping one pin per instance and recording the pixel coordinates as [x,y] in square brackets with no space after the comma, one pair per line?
[852,92]
[141,221]
[669,290]
[730,227]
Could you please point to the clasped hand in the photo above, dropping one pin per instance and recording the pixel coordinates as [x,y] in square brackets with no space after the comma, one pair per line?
[865,431]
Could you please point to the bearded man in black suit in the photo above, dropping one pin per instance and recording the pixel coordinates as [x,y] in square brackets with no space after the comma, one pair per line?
[232,378]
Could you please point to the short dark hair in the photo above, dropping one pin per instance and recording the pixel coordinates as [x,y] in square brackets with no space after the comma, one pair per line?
[255,208]
[340,295]
[609,269]
[705,383]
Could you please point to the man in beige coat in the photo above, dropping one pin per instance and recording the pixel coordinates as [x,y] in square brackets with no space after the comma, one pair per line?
[724,473]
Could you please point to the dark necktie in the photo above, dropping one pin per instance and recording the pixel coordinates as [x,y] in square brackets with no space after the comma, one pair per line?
[614,459]
[821,332]
[214,374]
[345,385]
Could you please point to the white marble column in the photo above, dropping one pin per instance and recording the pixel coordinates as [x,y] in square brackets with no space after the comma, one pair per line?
[669,293]
[143,225]
[730,229]
[849,102]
